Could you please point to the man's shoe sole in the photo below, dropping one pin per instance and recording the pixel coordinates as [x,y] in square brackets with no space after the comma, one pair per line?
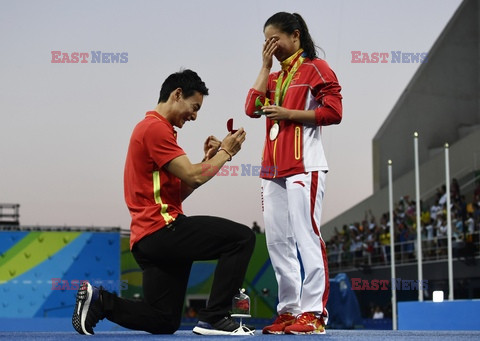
[81,309]
[206,331]
[212,331]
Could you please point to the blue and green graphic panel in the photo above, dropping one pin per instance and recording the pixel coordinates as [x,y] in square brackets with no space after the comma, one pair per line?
[40,271]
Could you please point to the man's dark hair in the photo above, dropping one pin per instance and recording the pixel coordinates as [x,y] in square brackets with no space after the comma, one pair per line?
[187,80]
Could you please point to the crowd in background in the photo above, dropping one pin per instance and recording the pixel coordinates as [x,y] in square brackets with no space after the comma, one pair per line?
[367,241]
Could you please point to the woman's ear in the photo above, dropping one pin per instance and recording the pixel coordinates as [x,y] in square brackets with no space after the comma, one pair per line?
[296,34]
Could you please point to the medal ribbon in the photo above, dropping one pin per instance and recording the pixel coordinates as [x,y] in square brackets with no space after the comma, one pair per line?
[289,66]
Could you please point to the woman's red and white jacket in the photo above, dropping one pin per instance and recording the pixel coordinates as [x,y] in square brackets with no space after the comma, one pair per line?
[298,147]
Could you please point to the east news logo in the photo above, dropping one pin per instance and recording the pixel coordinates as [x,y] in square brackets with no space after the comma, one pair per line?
[384,57]
[94,57]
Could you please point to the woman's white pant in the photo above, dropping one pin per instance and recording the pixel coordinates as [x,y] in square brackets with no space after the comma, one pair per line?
[292,209]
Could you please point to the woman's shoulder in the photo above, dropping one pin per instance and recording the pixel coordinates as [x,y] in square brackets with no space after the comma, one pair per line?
[318,62]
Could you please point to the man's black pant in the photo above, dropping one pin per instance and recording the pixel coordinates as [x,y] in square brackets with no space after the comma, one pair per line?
[166,257]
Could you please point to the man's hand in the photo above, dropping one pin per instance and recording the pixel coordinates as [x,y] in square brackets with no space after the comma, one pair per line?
[232,143]
[210,147]
[195,175]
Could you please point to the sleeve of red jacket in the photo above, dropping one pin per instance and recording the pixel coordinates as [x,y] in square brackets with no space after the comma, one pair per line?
[327,92]
[250,106]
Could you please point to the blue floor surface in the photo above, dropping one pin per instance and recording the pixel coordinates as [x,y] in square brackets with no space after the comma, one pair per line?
[380,335]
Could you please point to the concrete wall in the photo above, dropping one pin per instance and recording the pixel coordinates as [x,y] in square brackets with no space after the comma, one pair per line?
[439,102]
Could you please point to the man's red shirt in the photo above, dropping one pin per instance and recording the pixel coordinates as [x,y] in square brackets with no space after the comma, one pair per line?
[152,194]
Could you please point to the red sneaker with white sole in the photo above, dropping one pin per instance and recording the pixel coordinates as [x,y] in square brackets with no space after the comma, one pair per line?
[278,326]
[306,323]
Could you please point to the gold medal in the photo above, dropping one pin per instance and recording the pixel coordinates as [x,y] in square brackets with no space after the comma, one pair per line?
[274,131]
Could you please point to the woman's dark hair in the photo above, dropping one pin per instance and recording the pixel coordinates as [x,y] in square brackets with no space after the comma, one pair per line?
[187,80]
[288,23]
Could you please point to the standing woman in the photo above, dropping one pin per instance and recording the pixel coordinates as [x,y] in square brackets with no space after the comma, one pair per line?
[297,101]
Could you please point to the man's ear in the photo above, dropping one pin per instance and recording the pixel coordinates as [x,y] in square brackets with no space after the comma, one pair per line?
[176,94]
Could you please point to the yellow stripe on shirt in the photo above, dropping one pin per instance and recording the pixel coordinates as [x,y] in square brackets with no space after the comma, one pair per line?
[158,199]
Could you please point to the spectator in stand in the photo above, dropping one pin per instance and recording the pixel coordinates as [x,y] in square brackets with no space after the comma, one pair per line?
[353,243]
[442,194]
[333,252]
[454,189]
[461,207]
[435,208]
[457,225]
[371,242]
[385,244]
[372,223]
[405,236]
[377,251]
[470,207]
[441,228]
[378,313]
[470,224]
[411,210]
[400,209]
[469,239]
[347,241]
[457,234]
[424,214]
[430,231]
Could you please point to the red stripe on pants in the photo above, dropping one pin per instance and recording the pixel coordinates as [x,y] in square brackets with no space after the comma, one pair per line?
[327,279]
[313,198]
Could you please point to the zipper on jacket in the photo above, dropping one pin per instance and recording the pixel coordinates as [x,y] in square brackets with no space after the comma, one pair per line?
[296,144]
[275,158]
